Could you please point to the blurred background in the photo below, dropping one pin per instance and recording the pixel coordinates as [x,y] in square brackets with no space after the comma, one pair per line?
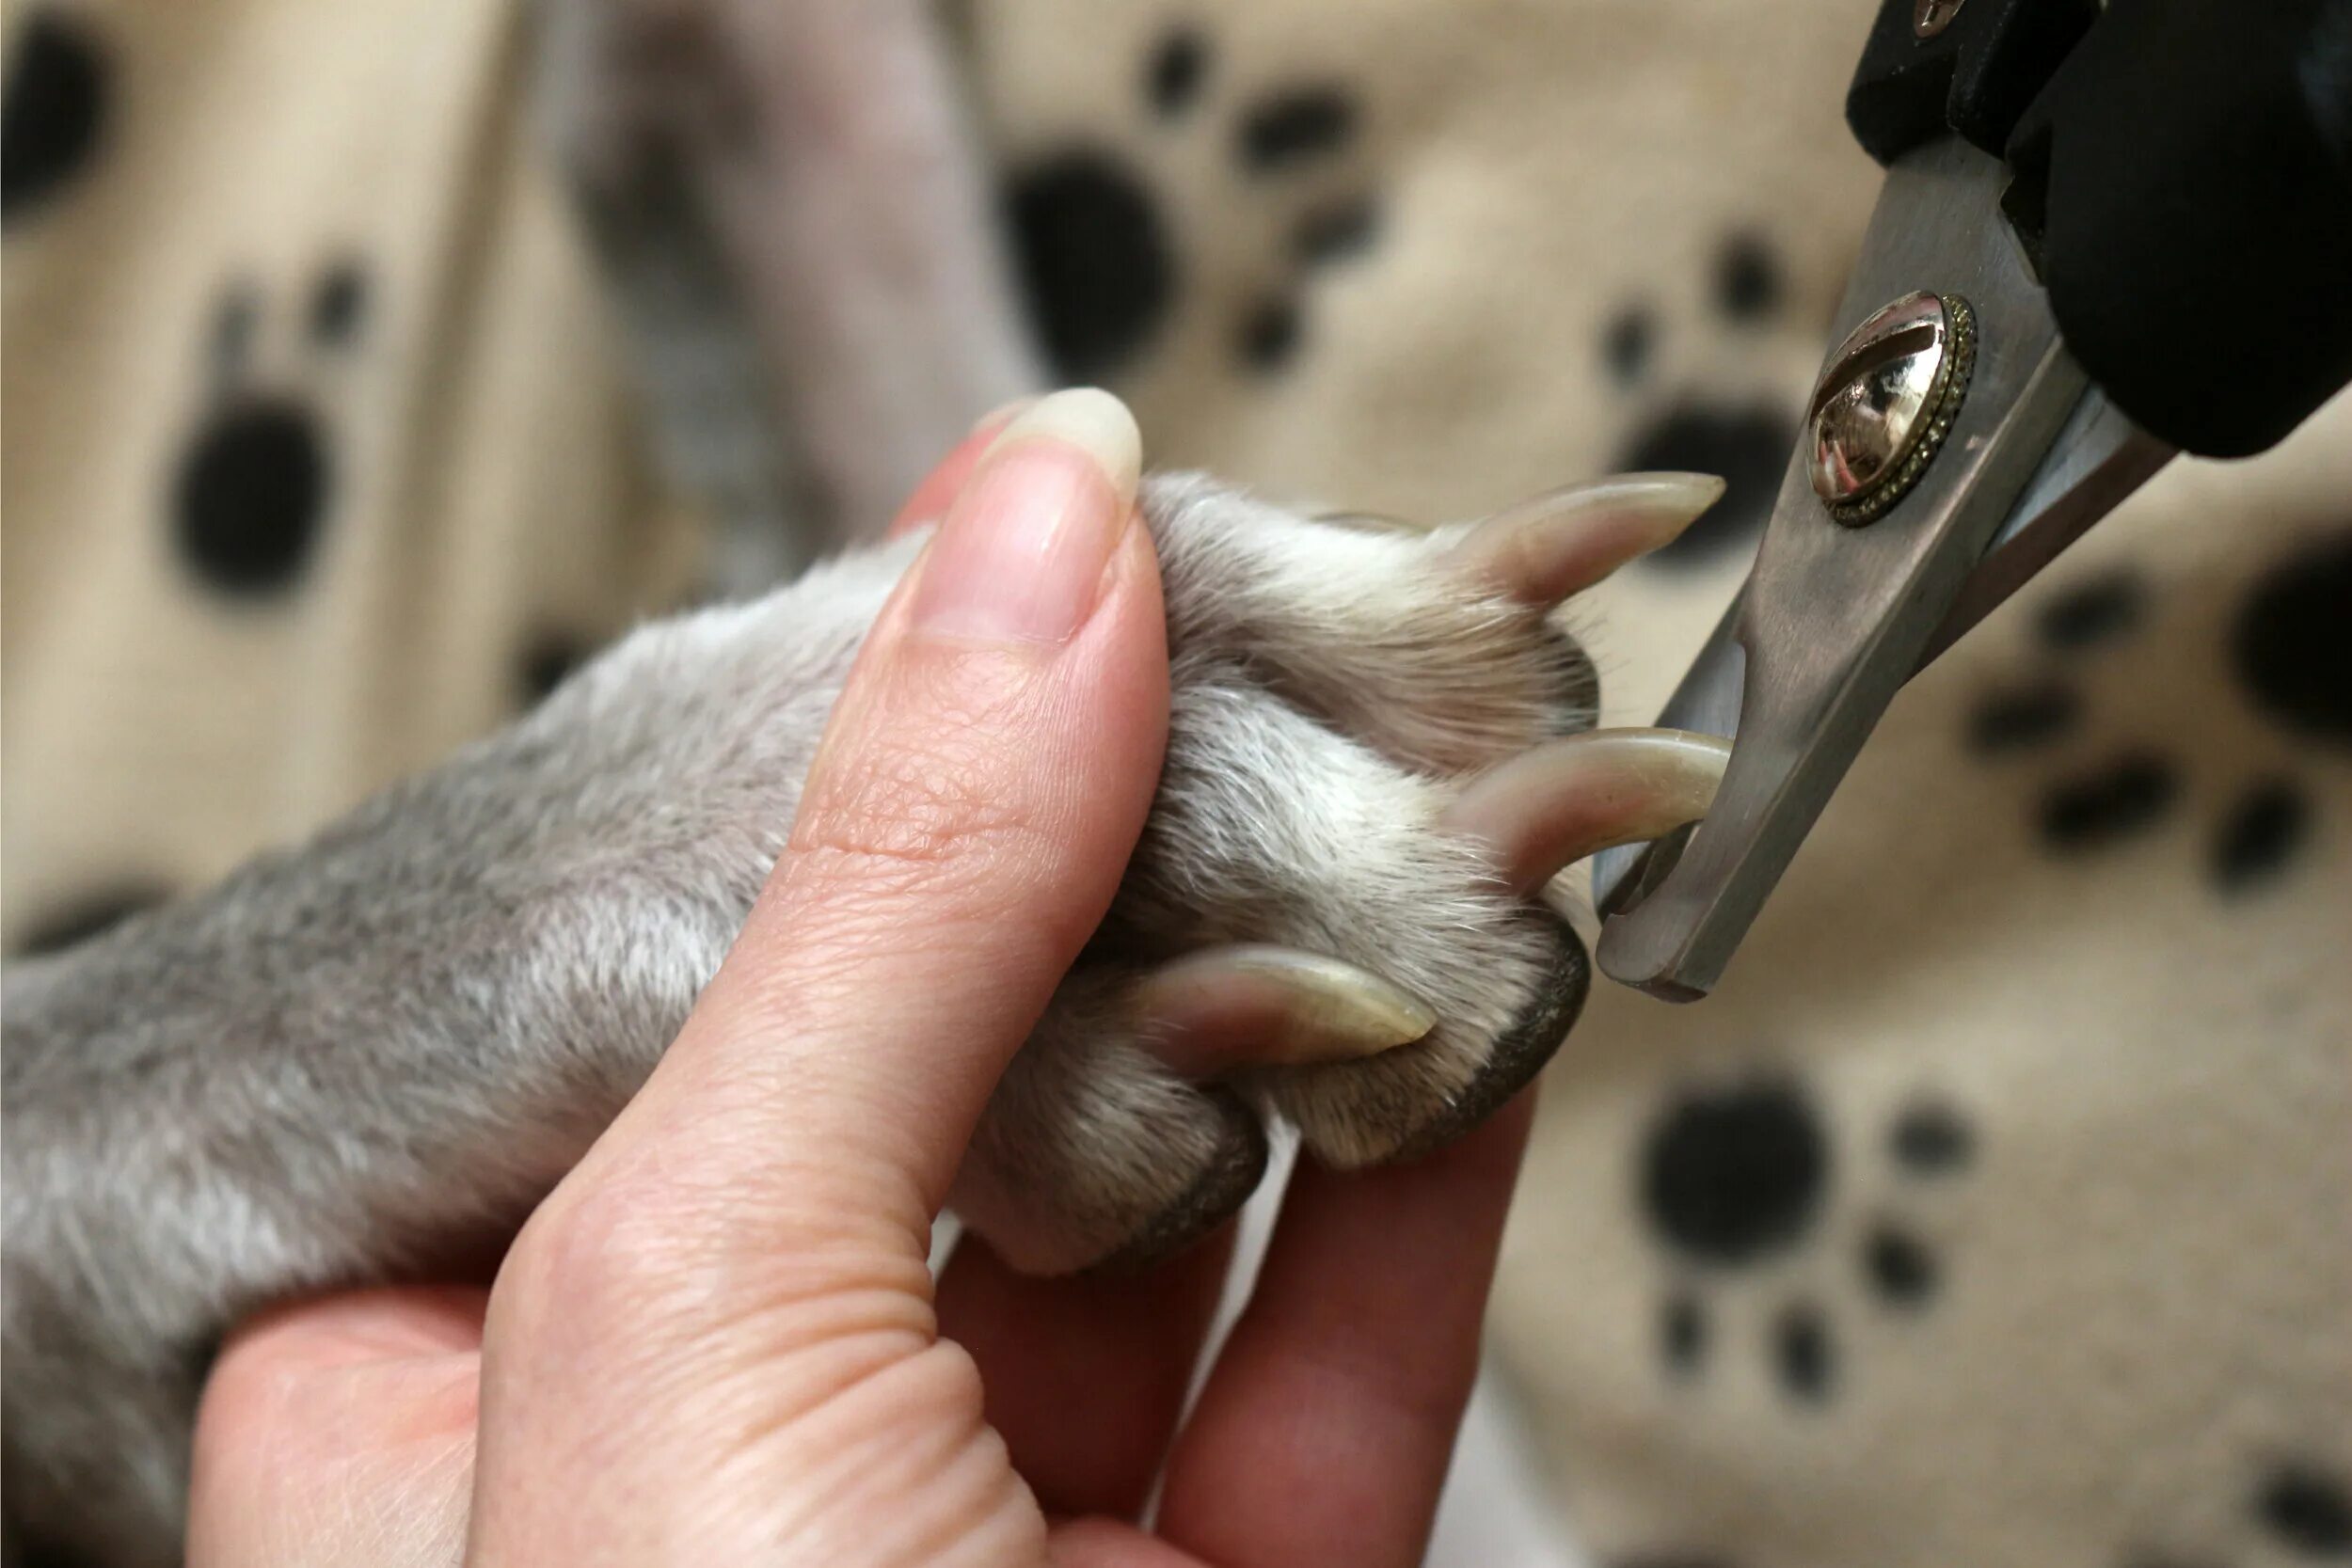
[1997,1210]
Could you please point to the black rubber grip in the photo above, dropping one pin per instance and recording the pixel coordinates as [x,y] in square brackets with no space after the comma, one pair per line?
[1975,77]
[2185,182]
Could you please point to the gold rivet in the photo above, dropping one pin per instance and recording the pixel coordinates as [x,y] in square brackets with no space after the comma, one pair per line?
[1886,402]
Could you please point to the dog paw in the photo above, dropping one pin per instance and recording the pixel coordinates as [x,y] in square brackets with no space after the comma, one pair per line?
[1380,751]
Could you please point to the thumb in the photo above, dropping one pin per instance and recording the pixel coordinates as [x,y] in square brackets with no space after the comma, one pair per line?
[748,1238]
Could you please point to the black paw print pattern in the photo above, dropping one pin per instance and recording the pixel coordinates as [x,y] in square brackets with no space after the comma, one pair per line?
[2306,1510]
[247,496]
[1734,1176]
[2288,649]
[1093,242]
[1747,442]
[255,482]
[53,111]
[2294,1512]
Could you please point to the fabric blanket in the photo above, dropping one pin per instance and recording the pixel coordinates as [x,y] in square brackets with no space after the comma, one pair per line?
[1997,1210]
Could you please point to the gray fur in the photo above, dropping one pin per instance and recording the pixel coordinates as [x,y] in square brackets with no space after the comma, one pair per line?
[352,1056]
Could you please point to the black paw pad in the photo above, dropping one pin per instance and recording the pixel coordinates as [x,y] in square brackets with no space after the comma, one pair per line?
[53,111]
[1094,245]
[2020,717]
[1093,259]
[2092,612]
[1335,232]
[2292,642]
[1738,1177]
[1749,447]
[2292,653]
[1682,1333]
[339,304]
[2307,1513]
[1748,284]
[1732,1176]
[1930,1139]
[1269,335]
[1178,67]
[2118,799]
[1523,1048]
[2259,834]
[255,482]
[1294,126]
[1803,1354]
[1701,430]
[2297,1512]
[1900,1270]
[250,493]
[1627,343]
[1215,1197]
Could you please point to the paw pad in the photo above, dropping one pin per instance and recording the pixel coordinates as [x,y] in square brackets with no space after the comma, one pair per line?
[1737,1183]
[2307,1512]
[1095,259]
[1704,429]
[255,482]
[59,88]
[1094,236]
[2288,650]
[2291,645]
[2294,1512]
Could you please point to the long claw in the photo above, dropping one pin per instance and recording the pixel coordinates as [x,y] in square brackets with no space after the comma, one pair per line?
[1548,808]
[1251,1005]
[1541,551]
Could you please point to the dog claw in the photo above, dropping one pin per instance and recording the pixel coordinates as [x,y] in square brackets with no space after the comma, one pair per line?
[1542,551]
[1548,808]
[1254,1005]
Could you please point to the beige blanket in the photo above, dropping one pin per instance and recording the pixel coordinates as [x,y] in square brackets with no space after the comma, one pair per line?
[1999,1209]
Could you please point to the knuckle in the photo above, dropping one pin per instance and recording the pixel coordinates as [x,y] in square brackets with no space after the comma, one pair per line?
[661,1239]
[638,1276]
[588,1259]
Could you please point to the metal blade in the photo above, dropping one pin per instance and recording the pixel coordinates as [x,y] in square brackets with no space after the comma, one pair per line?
[1833,619]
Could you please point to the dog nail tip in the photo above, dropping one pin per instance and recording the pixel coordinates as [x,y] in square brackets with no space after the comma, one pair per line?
[1545,809]
[1255,1005]
[1557,544]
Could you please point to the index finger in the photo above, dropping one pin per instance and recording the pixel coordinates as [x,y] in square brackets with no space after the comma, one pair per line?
[1323,1435]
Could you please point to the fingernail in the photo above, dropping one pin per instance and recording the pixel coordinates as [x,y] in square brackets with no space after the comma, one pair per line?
[1022,553]
[1002,414]
[1252,1005]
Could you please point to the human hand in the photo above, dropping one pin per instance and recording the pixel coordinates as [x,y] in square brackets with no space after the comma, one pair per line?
[718,1340]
